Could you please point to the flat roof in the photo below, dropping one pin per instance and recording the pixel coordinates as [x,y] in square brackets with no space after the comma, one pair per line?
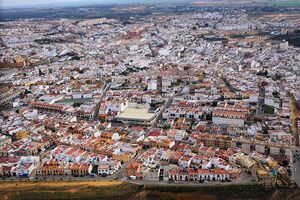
[136,114]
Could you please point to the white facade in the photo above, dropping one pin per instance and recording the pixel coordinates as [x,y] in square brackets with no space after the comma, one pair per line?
[152,85]
[260,148]
[87,95]
[77,96]
[228,121]
[117,107]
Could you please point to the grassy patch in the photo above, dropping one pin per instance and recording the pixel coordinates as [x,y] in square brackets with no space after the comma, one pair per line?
[72,101]
[287,3]
[269,110]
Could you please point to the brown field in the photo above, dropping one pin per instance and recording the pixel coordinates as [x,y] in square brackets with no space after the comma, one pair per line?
[56,184]
[293,18]
[63,190]
[116,190]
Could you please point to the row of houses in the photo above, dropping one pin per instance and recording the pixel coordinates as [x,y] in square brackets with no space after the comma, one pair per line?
[55,168]
[30,166]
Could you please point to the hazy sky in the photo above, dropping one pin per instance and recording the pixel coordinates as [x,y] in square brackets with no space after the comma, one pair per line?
[28,3]
[49,3]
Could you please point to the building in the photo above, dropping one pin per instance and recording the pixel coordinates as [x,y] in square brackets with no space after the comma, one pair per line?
[227,114]
[137,114]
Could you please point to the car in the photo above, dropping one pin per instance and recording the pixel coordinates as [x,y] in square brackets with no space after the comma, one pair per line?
[115,178]
[93,175]
[103,175]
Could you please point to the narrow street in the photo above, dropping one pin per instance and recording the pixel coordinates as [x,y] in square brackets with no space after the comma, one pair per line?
[99,103]
[159,115]
[121,173]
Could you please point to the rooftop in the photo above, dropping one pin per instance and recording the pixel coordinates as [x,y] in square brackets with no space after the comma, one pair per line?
[136,114]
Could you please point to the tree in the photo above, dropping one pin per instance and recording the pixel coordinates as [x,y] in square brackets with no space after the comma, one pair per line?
[208,117]
[27,91]
[285,163]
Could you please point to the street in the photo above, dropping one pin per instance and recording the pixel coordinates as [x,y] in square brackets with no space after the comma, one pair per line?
[159,115]
[99,103]
[245,179]
[295,164]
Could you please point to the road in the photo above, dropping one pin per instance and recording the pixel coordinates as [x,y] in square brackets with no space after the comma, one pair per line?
[99,104]
[121,173]
[295,164]
[159,115]
[167,104]
[245,179]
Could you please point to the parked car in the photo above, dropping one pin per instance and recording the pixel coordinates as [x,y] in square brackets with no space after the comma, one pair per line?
[93,175]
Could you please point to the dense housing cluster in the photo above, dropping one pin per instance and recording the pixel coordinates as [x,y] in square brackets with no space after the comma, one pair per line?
[193,98]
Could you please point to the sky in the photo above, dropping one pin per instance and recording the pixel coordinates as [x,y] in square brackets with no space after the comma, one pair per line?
[25,3]
[46,3]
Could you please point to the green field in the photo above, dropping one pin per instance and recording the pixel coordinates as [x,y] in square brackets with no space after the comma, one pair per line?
[269,110]
[286,3]
[74,101]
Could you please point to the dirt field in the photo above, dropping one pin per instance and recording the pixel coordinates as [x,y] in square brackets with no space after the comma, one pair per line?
[63,190]
[56,184]
[116,190]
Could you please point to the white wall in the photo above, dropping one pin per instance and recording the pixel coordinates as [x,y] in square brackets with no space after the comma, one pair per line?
[221,120]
